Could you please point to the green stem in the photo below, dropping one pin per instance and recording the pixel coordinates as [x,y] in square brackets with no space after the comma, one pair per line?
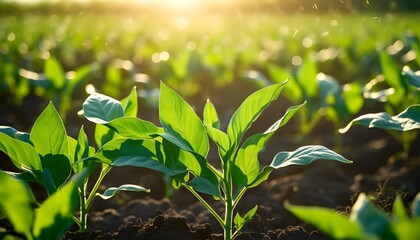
[88,203]
[229,204]
[211,210]
[83,217]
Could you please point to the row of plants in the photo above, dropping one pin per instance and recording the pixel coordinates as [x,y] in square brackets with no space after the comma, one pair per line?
[63,165]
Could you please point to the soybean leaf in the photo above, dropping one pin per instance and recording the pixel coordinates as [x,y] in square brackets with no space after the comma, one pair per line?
[292,90]
[110,192]
[250,110]
[247,156]
[407,120]
[54,217]
[48,134]
[83,150]
[137,153]
[371,219]
[130,104]
[23,136]
[220,138]
[58,166]
[103,134]
[327,221]
[301,156]
[241,221]
[392,74]
[210,117]
[181,122]
[15,203]
[205,185]
[132,127]
[22,154]
[101,109]
[54,72]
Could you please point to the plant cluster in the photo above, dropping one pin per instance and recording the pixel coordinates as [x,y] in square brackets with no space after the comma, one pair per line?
[179,149]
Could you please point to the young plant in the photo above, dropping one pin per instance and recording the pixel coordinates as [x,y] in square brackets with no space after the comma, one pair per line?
[48,156]
[180,147]
[365,221]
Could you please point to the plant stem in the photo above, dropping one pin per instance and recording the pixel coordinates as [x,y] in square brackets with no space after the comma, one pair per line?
[229,203]
[211,210]
[86,204]
[83,217]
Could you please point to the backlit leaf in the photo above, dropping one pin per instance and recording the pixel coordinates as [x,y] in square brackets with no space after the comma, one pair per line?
[180,121]
[130,103]
[110,192]
[132,127]
[99,108]
[210,117]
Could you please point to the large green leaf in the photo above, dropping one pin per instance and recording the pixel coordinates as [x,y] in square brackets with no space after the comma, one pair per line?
[110,192]
[23,136]
[180,121]
[99,108]
[371,219]
[407,120]
[15,203]
[132,127]
[137,153]
[247,156]
[54,217]
[48,134]
[250,110]
[55,73]
[328,221]
[301,156]
[22,154]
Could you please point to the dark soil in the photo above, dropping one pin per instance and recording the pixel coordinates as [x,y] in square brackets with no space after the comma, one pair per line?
[378,169]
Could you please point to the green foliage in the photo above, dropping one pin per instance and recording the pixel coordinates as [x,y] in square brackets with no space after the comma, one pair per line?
[365,221]
[180,147]
[51,158]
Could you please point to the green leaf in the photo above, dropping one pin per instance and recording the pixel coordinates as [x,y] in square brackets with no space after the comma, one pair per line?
[181,122]
[101,109]
[137,153]
[306,77]
[54,72]
[241,221]
[205,186]
[292,90]
[371,219]
[306,155]
[301,156]
[130,104]
[22,154]
[132,127]
[210,117]
[413,78]
[247,156]
[327,221]
[110,192]
[250,110]
[15,203]
[80,76]
[81,150]
[58,166]
[407,120]
[415,206]
[54,217]
[407,230]
[220,138]
[103,134]
[392,74]
[398,209]
[23,136]
[48,134]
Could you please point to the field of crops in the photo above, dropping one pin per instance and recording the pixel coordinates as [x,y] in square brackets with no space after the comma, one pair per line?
[124,74]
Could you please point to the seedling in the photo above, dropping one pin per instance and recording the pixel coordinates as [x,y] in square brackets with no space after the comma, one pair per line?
[365,221]
[48,156]
[179,148]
